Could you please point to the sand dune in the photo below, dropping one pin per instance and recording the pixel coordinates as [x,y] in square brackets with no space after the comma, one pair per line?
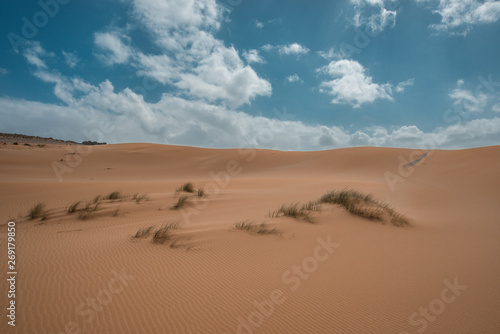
[342,274]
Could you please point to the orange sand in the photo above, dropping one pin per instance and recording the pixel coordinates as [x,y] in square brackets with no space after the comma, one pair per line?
[89,276]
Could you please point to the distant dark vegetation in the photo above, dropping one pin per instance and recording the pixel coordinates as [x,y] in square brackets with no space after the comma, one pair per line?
[88,142]
[12,136]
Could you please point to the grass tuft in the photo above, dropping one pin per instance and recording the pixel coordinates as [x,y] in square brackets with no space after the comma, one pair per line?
[295,211]
[201,193]
[74,207]
[186,187]
[251,227]
[182,201]
[36,211]
[114,195]
[143,232]
[164,234]
[96,199]
[139,198]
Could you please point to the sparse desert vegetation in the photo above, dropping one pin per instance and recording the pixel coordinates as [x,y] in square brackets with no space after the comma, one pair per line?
[251,227]
[113,195]
[74,207]
[37,211]
[143,232]
[187,187]
[161,236]
[181,201]
[295,210]
[365,206]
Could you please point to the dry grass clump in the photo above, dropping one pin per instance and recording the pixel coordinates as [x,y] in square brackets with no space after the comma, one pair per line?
[143,232]
[182,201]
[251,227]
[201,193]
[187,187]
[296,211]
[138,198]
[113,195]
[37,211]
[164,234]
[365,206]
[88,211]
[74,207]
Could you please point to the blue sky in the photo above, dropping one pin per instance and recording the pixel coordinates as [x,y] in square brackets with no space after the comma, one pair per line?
[288,75]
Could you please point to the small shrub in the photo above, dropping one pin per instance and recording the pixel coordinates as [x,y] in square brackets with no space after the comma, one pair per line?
[36,211]
[201,193]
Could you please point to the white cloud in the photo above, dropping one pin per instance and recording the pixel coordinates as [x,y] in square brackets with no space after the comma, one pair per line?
[252,56]
[459,16]
[496,107]
[34,52]
[351,85]
[470,102]
[113,49]
[374,13]
[259,24]
[333,54]
[223,77]
[193,60]
[3,71]
[174,120]
[400,87]
[71,58]
[293,48]
[294,78]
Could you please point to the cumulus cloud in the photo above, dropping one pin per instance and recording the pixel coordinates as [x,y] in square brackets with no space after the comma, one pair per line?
[112,49]
[3,71]
[293,49]
[470,102]
[252,56]
[174,120]
[193,60]
[459,16]
[351,85]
